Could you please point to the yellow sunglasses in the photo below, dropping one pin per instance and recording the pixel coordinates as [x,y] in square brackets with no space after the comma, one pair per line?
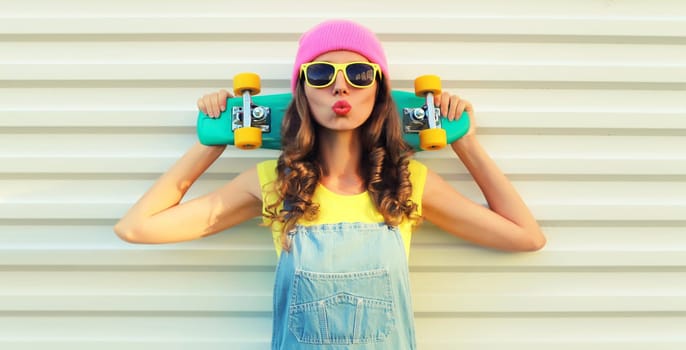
[357,74]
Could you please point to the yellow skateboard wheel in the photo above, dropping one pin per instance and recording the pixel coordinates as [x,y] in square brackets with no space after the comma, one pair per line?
[427,83]
[248,138]
[432,139]
[246,81]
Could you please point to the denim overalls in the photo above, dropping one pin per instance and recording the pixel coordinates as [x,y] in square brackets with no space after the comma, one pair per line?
[343,286]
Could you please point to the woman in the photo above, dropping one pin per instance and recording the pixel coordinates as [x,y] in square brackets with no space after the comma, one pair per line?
[342,199]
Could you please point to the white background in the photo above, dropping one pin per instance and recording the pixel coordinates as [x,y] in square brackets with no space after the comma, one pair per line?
[582,103]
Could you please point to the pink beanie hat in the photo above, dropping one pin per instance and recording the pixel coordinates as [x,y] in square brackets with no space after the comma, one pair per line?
[338,35]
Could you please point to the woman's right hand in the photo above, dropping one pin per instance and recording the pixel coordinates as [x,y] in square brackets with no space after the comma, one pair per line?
[214,103]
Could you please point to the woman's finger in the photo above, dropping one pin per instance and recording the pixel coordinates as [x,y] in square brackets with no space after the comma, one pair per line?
[201,105]
[213,104]
[223,96]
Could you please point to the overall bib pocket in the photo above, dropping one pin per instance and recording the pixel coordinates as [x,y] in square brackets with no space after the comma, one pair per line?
[341,308]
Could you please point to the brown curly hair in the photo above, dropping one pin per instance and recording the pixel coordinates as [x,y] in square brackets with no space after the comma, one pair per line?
[384,164]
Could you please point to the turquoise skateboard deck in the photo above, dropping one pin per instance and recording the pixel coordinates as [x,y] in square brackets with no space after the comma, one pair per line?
[268,111]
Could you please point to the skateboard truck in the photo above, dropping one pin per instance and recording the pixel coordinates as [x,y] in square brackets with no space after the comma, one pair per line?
[250,120]
[417,119]
[260,117]
[425,120]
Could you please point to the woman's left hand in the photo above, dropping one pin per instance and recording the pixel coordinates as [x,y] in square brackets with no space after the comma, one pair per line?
[453,107]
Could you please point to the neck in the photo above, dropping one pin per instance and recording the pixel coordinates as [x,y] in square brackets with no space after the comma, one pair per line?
[340,154]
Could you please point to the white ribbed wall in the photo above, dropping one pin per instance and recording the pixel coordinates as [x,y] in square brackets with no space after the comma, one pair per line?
[582,103]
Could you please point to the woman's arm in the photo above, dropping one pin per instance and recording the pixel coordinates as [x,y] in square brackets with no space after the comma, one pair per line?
[159,218]
[506,224]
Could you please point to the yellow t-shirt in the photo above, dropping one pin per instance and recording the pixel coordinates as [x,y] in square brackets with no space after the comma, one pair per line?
[337,208]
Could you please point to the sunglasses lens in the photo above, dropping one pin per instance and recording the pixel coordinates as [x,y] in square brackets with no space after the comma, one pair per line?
[360,74]
[319,74]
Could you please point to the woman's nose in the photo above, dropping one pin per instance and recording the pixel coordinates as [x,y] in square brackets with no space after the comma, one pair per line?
[340,85]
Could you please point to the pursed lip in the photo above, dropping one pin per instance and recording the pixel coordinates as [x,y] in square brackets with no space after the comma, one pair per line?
[341,107]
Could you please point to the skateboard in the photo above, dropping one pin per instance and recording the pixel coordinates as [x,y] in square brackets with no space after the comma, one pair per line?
[423,128]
